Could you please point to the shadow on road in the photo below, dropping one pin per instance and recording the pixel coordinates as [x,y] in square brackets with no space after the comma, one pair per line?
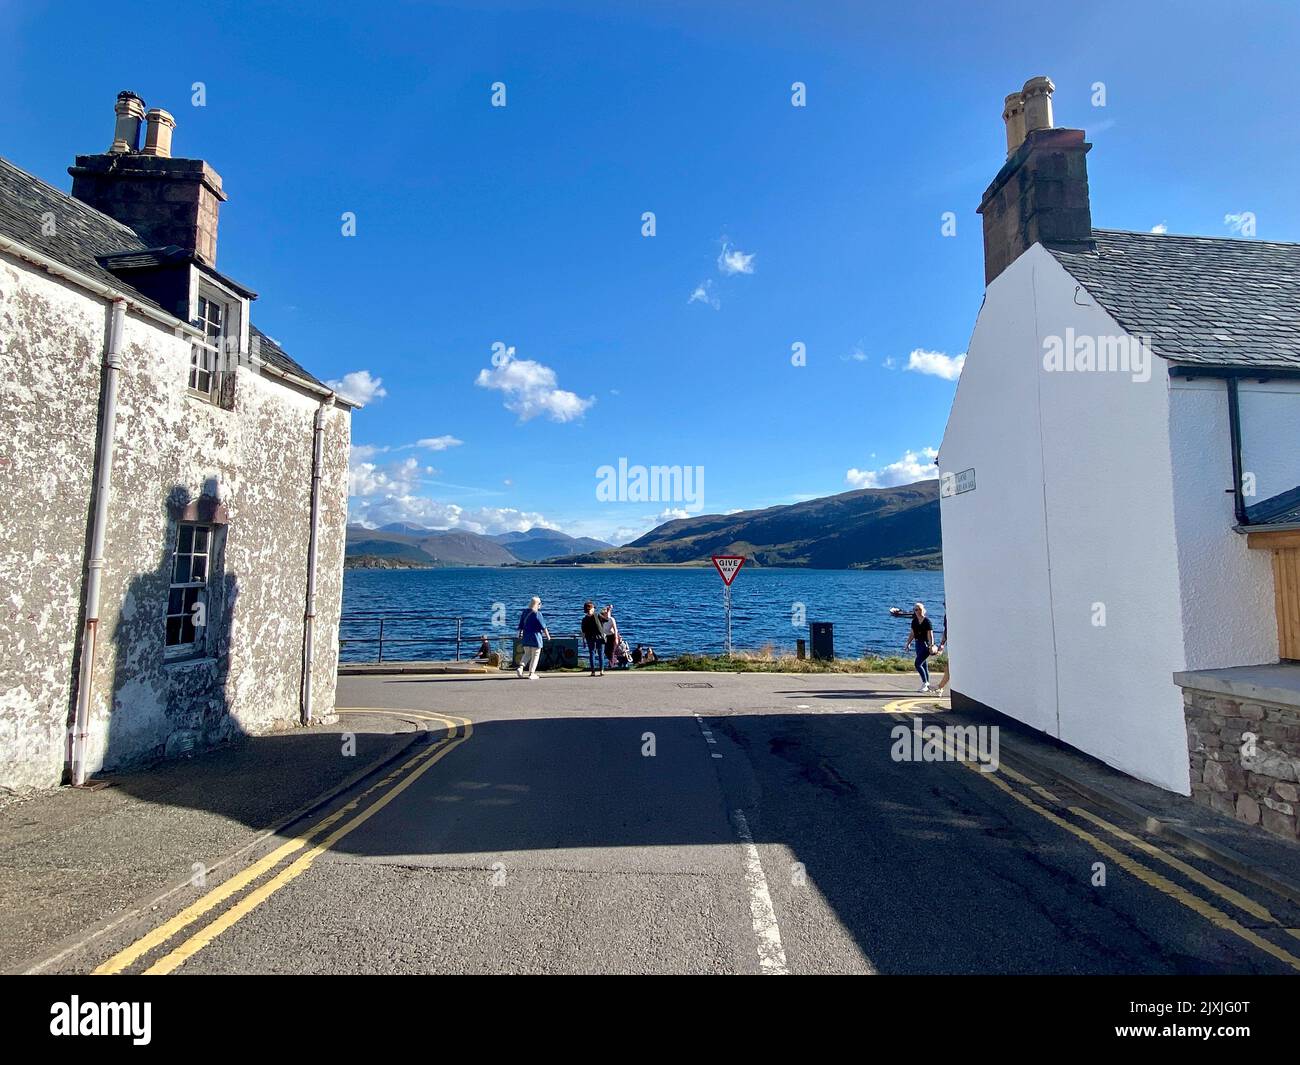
[926,865]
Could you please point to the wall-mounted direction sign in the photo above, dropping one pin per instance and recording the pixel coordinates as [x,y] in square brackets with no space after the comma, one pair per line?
[954,484]
[728,566]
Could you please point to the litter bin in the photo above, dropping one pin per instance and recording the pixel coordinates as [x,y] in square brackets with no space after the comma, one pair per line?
[822,635]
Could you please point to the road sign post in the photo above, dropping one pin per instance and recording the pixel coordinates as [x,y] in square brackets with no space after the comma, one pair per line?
[728,566]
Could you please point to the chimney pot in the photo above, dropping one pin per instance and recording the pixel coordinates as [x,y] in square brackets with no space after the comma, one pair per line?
[126,133]
[158,133]
[1013,114]
[1038,103]
[1040,195]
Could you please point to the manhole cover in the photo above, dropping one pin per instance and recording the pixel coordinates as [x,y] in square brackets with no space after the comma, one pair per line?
[696,684]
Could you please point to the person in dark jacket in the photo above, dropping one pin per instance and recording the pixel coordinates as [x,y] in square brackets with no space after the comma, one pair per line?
[594,638]
[923,635]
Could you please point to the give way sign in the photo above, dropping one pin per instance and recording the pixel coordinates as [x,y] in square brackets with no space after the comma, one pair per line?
[728,566]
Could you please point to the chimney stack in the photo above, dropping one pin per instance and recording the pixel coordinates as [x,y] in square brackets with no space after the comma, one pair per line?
[1040,196]
[1037,95]
[1013,114]
[166,201]
[126,135]
[158,133]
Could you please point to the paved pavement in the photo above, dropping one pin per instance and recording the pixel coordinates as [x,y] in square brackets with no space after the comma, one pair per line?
[698,823]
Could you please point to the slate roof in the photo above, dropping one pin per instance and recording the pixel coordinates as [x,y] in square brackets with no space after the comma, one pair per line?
[85,238]
[1202,301]
[271,352]
[81,234]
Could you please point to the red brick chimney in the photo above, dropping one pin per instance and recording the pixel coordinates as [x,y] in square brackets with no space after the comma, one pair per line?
[167,201]
[1041,193]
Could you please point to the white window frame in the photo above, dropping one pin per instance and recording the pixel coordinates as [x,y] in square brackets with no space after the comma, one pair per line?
[193,592]
[214,356]
[205,353]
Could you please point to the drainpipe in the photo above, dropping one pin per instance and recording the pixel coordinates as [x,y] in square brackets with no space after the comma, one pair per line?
[98,533]
[309,616]
[1234,433]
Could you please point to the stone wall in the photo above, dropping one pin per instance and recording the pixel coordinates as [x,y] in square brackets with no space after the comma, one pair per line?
[169,445]
[1245,758]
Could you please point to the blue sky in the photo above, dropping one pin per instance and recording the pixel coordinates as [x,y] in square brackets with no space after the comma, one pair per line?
[522,224]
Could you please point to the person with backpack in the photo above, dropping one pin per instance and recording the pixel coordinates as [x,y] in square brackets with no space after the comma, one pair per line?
[594,638]
[532,632]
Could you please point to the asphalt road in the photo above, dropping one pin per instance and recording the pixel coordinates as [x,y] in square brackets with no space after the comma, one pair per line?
[643,823]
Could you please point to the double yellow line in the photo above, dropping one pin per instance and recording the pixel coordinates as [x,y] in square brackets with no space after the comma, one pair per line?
[459,730]
[1130,865]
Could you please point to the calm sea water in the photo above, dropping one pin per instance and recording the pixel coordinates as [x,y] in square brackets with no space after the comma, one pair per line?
[672,610]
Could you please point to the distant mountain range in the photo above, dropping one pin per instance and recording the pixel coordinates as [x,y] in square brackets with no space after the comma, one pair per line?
[408,545]
[871,528]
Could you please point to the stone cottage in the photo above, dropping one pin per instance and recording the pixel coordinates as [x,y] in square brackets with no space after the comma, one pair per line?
[174,485]
[1120,487]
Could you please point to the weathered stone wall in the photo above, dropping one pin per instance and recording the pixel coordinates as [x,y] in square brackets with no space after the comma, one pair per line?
[51,348]
[169,444]
[1257,781]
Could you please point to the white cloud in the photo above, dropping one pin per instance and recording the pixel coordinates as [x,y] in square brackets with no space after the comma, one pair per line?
[913,466]
[360,386]
[502,519]
[936,363]
[733,261]
[1160,227]
[640,526]
[438,514]
[438,443]
[365,452]
[380,494]
[704,294]
[856,355]
[366,478]
[530,389]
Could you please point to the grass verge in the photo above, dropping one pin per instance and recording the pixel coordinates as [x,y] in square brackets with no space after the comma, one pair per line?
[770,662]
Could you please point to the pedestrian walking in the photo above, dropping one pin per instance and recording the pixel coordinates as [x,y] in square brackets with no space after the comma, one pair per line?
[594,637]
[923,635]
[532,632]
[609,629]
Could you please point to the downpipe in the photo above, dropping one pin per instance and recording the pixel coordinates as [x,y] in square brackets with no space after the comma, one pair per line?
[98,535]
[309,613]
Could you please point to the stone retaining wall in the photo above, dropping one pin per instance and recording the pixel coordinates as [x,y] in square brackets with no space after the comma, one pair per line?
[1245,758]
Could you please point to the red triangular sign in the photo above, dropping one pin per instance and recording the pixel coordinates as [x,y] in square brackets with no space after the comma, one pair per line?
[728,566]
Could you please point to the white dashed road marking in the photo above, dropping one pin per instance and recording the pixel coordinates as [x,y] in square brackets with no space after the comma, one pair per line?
[767,933]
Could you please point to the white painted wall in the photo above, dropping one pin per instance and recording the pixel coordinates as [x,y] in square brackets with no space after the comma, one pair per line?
[1077,509]
[1227,588]
[994,538]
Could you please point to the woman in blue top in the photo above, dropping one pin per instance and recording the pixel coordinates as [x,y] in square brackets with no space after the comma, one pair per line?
[532,631]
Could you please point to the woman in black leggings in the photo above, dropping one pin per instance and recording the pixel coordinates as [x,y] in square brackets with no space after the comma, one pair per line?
[923,634]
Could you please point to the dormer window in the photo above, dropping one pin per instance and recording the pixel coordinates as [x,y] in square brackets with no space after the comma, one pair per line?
[205,353]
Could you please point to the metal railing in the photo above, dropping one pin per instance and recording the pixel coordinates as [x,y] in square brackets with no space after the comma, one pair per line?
[410,629]
[423,636]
